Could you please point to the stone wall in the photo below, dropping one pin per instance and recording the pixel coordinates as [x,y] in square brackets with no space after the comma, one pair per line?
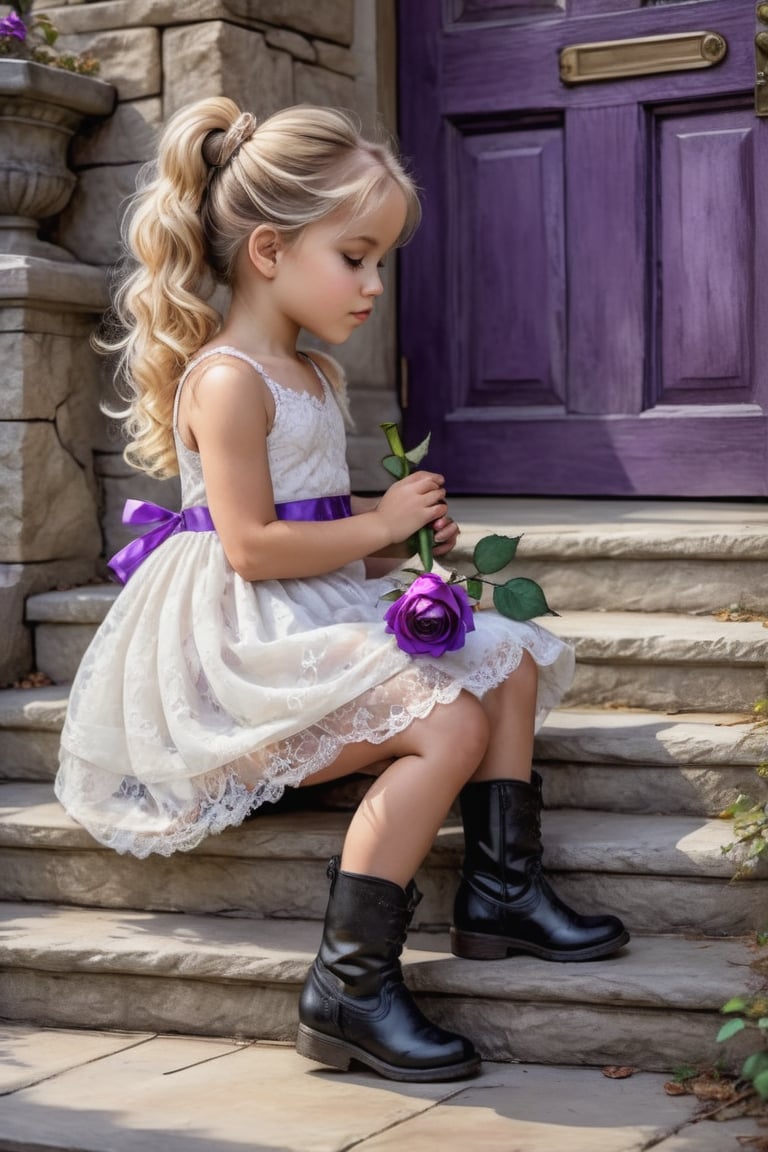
[264,54]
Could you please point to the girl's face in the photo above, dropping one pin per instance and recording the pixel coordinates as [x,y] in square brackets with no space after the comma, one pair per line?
[327,281]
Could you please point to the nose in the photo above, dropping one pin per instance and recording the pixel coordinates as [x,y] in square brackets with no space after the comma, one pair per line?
[373,286]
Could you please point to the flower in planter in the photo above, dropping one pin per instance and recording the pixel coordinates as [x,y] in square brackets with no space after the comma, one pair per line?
[432,615]
[27,37]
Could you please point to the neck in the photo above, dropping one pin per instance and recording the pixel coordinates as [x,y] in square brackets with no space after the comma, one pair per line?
[253,325]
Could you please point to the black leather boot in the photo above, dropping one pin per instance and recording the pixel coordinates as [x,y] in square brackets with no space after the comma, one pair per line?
[355,1006]
[504,903]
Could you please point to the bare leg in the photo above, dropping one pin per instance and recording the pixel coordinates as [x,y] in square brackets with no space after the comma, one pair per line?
[510,708]
[398,818]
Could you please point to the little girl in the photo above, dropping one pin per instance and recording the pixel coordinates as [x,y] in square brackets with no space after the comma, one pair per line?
[248,652]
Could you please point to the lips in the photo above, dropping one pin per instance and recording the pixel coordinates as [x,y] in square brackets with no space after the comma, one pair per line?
[363,315]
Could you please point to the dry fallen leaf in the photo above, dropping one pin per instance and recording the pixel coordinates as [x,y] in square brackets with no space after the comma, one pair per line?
[618,1071]
[705,1088]
[672,1088]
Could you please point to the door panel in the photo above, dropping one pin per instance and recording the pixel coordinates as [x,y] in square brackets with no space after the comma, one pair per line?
[581,309]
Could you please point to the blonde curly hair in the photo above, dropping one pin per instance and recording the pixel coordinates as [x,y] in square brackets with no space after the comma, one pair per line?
[218,175]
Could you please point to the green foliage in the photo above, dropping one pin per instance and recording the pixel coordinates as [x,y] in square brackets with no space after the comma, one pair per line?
[752,1018]
[40,41]
[517,599]
[750,826]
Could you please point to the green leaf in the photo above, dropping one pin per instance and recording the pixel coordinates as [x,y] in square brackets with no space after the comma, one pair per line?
[474,588]
[754,1065]
[417,454]
[493,553]
[520,599]
[395,594]
[737,1004]
[761,1084]
[395,466]
[730,1029]
[763,1023]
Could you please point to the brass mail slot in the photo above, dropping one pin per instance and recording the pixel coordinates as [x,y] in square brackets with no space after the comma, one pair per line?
[618,59]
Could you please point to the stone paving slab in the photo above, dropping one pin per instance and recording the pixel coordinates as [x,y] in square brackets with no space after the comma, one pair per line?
[28,1055]
[200,1095]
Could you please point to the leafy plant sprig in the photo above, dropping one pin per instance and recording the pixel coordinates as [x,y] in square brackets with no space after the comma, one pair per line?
[752,1015]
[24,36]
[517,599]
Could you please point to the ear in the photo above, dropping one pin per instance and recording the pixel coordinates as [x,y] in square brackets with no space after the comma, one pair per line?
[264,247]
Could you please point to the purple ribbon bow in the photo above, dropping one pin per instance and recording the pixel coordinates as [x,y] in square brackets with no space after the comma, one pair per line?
[198,519]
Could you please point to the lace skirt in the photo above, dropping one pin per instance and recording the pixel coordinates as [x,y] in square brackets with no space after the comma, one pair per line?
[203,695]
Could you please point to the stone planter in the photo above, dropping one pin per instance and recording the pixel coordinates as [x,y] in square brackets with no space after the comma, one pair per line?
[40,109]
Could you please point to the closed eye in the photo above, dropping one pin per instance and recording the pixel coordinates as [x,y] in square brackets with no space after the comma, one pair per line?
[352,263]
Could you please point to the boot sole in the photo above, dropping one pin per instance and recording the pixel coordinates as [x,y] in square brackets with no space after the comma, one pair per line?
[479,946]
[338,1054]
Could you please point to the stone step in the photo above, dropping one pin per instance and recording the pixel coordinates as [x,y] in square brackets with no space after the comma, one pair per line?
[665,661]
[691,764]
[660,873]
[650,556]
[654,1006]
[637,659]
[611,759]
[31,720]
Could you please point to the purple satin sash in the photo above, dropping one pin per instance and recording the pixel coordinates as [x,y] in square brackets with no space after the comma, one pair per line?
[198,519]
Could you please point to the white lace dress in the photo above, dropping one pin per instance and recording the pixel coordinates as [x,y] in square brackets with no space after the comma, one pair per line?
[203,694]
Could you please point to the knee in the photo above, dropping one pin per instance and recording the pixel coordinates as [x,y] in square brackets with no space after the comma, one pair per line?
[466,731]
[526,675]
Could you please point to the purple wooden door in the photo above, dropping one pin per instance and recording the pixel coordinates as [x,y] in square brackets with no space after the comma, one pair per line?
[584,309]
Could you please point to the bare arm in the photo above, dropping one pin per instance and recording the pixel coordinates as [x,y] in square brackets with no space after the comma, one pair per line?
[228,418]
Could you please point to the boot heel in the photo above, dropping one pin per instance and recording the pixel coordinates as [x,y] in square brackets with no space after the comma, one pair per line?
[477,946]
[321,1049]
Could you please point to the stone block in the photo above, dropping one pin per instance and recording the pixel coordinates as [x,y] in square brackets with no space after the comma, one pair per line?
[35,374]
[129,58]
[17,582]
[219,58]
[90,225]
[40,295]
[313,85]
[331,19]
[90,17]
[128,137]
[59,648]
[292,43]
[48,512]
[336,59]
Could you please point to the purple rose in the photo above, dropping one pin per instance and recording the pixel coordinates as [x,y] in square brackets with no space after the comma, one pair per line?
[13,25]
[431,618]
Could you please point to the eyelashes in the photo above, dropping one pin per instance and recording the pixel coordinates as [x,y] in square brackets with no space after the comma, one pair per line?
[351,263]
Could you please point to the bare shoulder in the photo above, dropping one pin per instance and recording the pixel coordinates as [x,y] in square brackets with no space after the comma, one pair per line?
[227,402]
[222,378]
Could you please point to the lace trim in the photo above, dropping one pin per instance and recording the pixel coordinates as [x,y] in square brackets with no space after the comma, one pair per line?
[141,818]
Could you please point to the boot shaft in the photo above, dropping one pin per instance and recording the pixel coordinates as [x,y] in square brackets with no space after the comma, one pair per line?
[366,924]
[502,831]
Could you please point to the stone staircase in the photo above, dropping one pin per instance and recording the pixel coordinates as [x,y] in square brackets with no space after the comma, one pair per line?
[653,741]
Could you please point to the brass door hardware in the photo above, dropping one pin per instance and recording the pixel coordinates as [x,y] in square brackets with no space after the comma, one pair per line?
[762,13]
[618,59]
[761,72]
